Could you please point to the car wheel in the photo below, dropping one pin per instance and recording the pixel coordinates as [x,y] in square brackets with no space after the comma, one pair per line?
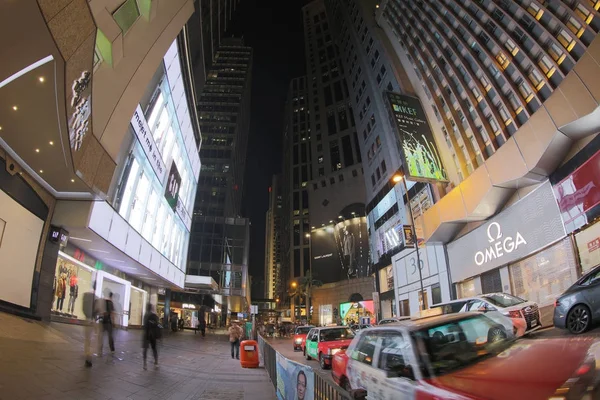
[322,361]
[306,354]
[496,334]
[578,319]
[345,384]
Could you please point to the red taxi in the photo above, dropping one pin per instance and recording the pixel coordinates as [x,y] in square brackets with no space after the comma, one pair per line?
[338,369]
[323,343]
[464,357]
[300,337]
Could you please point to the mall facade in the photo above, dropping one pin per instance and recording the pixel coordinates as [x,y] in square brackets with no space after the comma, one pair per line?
[99,139]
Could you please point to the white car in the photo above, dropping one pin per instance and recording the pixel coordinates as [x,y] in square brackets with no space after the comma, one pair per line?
[392,320]
[524,315]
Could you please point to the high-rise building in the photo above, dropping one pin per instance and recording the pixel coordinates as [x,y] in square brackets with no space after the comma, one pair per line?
[220,242]
[101,154]
[324,190]
[372,71]
[513,88]
[273,240]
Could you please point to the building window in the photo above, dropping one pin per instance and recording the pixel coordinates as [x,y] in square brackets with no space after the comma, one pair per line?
[354,173]
[556,52]
[566,40]
[546,66]
[525,90]
[383,167]
[575,27]
[584,13]
[535,11]
[502,60]
[536,78]
[373,181]
[126,15]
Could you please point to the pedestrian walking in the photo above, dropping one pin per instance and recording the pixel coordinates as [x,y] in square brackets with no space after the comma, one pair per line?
[89,299]
[202,326]
[152,332]
[106,310]
[235,335]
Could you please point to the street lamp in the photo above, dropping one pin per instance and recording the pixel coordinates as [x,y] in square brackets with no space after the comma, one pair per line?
[400,178]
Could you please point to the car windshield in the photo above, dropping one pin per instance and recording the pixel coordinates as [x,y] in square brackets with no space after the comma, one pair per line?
[303,330]
[454,345]
[329,335]
[503,299]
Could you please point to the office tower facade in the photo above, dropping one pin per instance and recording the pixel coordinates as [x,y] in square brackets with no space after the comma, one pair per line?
[373,71]
[513,86]
[324,189]
[219,247]
[104,196]
[206,28]
[273,222]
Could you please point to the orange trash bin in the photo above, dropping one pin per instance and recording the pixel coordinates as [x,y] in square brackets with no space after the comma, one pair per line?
[249,354]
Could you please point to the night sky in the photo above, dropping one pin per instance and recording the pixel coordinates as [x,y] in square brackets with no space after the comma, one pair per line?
[274,30]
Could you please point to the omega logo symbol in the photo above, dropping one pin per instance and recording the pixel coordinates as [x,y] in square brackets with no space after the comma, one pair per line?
[499,245]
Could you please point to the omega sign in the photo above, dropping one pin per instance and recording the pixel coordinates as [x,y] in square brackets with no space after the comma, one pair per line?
[499,245]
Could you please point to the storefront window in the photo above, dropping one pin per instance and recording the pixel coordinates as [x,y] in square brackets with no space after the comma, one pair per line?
[588,245]
[545,275]
[138,207]
[71,281]
[466,289]
[137,306]
[149,226]
[325,314]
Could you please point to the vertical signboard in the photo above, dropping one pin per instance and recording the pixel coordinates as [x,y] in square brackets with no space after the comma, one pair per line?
[142,132]
[421,158]
[172,186]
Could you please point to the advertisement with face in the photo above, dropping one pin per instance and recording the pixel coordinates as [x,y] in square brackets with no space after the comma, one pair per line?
[294,381]
[420,152]
[341,251]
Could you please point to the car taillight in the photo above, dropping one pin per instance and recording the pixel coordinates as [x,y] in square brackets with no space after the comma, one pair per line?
[556,303]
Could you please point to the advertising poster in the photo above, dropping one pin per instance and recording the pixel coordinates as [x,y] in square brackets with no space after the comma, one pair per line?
[341,251]
[294,381]
[421,157]
[351,313]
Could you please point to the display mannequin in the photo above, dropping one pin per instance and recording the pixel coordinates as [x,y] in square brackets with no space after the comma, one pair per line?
[73,293]
[61,289]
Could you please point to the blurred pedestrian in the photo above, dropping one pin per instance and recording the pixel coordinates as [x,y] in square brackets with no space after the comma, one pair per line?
[202,326]
[235,335]
[89,299]
[152,332]
[106,310]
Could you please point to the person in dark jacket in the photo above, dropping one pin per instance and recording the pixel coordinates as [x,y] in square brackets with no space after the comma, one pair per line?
[151,333]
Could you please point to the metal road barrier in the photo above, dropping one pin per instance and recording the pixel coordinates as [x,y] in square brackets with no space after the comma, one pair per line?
[323,389]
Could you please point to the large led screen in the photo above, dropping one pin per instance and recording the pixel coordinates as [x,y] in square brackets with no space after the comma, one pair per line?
[341,251]
[421,157]
[350,313]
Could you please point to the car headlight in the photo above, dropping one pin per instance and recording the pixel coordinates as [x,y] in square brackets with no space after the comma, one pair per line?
[298,341]
[332,352]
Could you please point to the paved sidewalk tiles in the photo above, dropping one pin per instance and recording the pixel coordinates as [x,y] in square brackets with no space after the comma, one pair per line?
[40,361]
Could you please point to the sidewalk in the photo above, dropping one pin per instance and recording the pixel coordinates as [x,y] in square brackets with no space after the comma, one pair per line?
[39,361]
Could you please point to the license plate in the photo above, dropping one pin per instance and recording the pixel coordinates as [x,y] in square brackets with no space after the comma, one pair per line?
[534,323]
[248,348]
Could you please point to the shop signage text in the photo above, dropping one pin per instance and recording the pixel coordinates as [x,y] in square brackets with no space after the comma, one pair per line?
[183,214]
[522,229]
[499,245]
[186,305]
[142,132]
[59,235]
[594,245]
[172,186]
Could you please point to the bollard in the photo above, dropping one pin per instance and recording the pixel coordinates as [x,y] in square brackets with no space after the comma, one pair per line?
[249,354]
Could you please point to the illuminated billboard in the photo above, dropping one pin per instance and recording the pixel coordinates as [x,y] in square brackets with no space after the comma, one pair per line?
[351,313]
[421,158]
[341,251]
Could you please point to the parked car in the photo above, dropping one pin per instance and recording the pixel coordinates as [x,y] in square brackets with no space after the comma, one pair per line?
[461,356]
[525,315]
[300,337]
[393,320]
[356,327]
[323,343]
[579,306]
